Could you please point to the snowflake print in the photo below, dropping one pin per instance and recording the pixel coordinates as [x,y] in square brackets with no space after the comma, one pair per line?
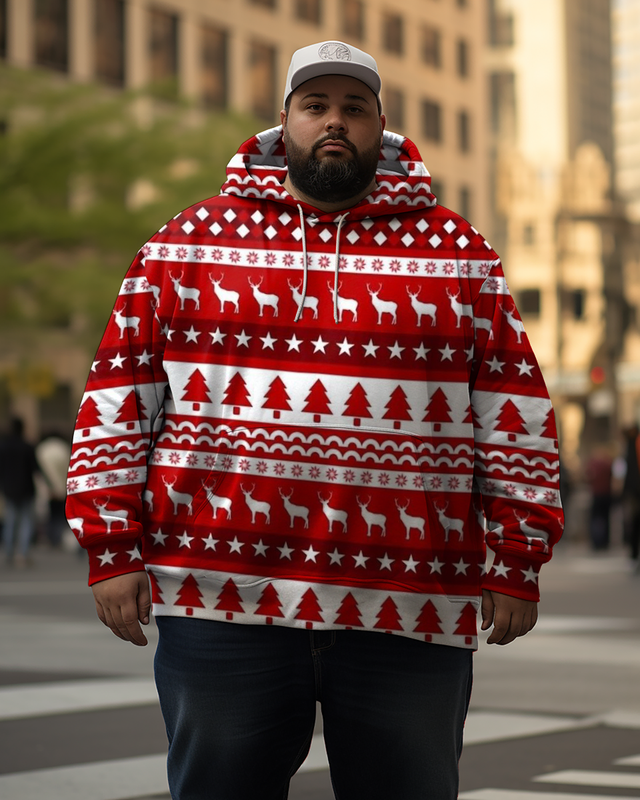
[72,486]
[401,480]
[325,261]
[383,479]
[342,262]
[146,251]
[469,484]
[359,264]
[296,471]
[349,476]
[530,493]
[485,269]
[395,265]
[217,254]
[243,464]
[366,478]
[92,482]
[314,473]
[289,260]
[163,252]
[199,254]
[174,458]
[132,475]
[252,258]
[262,467]
[227,463]
[489,487]
[270,259]
[435,483]
[510,490]
[210,461]
[279,468]
[157,457]
[111,478]
[430,267]
[145,284]
[332,474]
[493,285]
[454,483]
[377,265]
[192,459]
[181,253]
[234,257]
[129,286]
[465,269]
[449,268]
[550,497]
[412,266]
[418,482]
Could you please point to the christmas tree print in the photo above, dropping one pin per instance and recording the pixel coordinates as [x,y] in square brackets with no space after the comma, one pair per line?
[317,401]
[388,617]
[189,595]
[156,593]
[428,621]
[131,410]
[357,405]
[510,420]
[438,410]
[229,600]
[397,407]
[277,397]
[196,390]
[309,608]
[466,623]
[549,427]
[349,613]
[269,604]
[88,416]
[472,417]
[236,394]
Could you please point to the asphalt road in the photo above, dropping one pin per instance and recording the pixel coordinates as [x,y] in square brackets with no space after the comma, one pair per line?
[554,716]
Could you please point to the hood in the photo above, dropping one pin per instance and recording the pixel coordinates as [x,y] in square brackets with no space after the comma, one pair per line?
[403,183]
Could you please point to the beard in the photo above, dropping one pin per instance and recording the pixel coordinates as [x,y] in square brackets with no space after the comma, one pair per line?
[334,178]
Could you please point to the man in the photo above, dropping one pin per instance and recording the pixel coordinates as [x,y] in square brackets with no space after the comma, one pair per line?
[313,396]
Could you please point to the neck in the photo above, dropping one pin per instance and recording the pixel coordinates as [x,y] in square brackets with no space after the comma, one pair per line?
[321,205]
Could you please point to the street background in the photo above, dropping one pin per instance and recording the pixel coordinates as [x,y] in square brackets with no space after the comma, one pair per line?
[554,716]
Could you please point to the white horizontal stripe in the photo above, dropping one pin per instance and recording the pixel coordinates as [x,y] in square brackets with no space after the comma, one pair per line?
[510,794]
[18,702]
[628,761]
[484,726]
[584,777]
[619,719]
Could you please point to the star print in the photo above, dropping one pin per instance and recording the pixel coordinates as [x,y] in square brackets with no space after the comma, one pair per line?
[106,558]
[167,331]
[294,343]
[319,345]
[396,350]
[118,361]
[370,349]
[261,548]
[469,353]
[94,366]
[361,560]
[185,540]
[243,339]
[524,368]
[144,358]
[285,552]
[310,554]
[236,545]
[461,567]
[267,341]
[336,557]
[446,354]
[192,334]
[386,562]
[483,568]
[159,537]
[436,566]
[501,570]
[529,575]
[210,543]
[421,352]
[495,365]
[217,337]
[345,347]
[411,564]
[134,554]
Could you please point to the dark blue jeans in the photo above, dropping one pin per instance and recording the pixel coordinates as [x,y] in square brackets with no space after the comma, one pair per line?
[239,704]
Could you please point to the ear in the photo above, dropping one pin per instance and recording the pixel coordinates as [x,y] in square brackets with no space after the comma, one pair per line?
[383,123]
[283,118]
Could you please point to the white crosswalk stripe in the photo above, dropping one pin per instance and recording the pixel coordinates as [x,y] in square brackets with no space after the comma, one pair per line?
[511,794]
[584,777]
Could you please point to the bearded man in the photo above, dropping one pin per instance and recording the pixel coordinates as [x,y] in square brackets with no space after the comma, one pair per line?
[295,430]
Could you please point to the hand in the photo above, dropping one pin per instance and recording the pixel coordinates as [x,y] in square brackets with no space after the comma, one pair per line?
[122,603]
[510,616]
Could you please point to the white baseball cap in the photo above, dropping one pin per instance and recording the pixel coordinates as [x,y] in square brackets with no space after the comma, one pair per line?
[332,58]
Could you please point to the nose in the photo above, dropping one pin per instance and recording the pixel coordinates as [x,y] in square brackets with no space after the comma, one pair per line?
[335,121]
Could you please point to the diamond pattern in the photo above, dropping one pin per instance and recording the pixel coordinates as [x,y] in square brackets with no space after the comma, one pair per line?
[202,213]
[462,241]
[380,238]
[257,217]
[422,225]
[367,223]
[395,224]
[215,228]
[325,235]
[270,232]
[407,240]
[243,231]
[353,237]
[449,226]
[435,240]
[297,234]
[229,215]
[188,227]
[285,218]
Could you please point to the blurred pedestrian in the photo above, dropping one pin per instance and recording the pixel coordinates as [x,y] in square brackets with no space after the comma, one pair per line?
[631,490]
[18,466]
[53,454]
[599,473]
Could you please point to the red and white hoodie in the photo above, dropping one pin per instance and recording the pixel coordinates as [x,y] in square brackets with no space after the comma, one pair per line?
[315,419]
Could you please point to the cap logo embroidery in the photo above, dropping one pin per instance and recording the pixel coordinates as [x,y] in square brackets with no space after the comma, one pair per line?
[334,51]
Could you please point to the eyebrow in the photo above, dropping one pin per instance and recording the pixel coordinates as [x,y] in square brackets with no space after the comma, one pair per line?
[326,96]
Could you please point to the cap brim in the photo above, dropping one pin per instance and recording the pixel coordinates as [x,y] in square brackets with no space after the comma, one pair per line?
[362,73]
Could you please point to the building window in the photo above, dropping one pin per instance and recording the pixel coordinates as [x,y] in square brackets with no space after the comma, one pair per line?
[309,10]
[3,28]
[163,51]
[262,72]
[529,235]
[214,66]
[393,33]
[109,32]
[578,298]
[51,34]
[529,302]
[394,108]
[464,202]
[353,19]
[437,189]
[462,58]
[431,46]
[502,104]
[265,3]
[464,131]
[501,33]
[431,121]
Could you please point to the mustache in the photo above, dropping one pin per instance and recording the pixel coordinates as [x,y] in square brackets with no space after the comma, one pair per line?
[334,137]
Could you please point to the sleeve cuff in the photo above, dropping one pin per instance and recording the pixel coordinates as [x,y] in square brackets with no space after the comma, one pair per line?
[514,576]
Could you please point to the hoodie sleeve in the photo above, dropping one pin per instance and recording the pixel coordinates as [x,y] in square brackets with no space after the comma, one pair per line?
[119,419]
[516,448]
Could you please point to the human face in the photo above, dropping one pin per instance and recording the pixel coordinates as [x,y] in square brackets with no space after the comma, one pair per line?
[332,134]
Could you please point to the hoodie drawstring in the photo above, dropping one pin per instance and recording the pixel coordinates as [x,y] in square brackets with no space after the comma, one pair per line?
[337,267]
[304,265]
